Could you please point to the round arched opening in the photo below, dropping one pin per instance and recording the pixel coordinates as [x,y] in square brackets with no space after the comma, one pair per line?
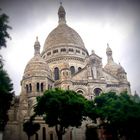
[80,92]
[97,91]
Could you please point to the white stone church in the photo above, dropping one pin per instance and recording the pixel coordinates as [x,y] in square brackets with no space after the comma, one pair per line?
[65,63]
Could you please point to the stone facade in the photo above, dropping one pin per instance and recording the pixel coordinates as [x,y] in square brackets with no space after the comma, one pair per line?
[65,63]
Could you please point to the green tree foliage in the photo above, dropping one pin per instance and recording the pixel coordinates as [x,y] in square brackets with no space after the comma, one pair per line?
[30,127]
[90,110]
[120,114]
[6,95]
[6,87]
[3,30]
[61,109]
[3,33]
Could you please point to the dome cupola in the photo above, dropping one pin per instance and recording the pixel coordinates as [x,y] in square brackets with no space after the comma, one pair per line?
[61,14]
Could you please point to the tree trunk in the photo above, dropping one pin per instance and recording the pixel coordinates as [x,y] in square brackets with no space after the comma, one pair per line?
[59,136]
[1,135]
[60,131]
[28,137]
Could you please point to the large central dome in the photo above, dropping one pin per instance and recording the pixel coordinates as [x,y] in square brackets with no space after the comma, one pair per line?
[64,44]
[63,35]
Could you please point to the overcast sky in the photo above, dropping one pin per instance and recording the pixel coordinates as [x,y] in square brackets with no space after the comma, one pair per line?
[98,22]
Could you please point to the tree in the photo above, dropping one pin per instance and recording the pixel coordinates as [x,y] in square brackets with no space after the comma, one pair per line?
[30,128]
[120,114]
[6,86]
[6,96]
[3,33]
[3,30]
[61,109]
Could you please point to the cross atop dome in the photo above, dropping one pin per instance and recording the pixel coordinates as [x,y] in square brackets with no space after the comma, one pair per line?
[61,14]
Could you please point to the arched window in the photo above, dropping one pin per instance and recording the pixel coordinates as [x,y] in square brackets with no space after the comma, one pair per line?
[97,91]
[42,87]
[49,53]
[56,73]
[63,50]
[77,51]
[37,87]
[27,89]
[30,87]
[55,51]
[72,69]
[71,50]
[44,133]
[79,68]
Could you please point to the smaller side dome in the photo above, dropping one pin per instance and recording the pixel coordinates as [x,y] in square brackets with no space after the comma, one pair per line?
[121,69]
[111,67]
[122,74]
[37,65]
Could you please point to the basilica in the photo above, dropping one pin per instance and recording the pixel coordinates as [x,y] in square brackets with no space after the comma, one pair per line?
[64,63]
